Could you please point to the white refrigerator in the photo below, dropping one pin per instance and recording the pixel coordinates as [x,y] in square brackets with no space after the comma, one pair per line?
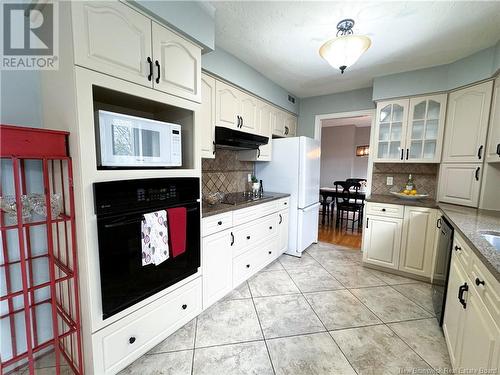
[294,169]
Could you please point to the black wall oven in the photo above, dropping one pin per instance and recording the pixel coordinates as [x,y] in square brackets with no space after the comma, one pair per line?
[120,207]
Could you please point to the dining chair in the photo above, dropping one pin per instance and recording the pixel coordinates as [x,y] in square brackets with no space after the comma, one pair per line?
[348,200]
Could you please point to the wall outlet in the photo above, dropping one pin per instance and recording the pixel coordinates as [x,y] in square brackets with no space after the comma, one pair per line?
[390,181]
[249,176]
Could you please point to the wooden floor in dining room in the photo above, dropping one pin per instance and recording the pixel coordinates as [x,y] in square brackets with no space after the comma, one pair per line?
[329,233]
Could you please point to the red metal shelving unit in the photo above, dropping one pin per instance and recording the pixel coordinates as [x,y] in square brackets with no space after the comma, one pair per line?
[39,295]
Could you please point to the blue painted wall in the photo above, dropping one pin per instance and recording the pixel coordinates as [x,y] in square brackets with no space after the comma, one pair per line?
[225,65]
[341,102]
[476,67]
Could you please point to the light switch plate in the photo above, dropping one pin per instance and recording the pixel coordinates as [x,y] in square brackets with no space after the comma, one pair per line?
[390,181]
[249,177]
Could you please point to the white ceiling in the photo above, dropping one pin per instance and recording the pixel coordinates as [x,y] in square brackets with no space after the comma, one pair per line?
[281,39]
[359,121]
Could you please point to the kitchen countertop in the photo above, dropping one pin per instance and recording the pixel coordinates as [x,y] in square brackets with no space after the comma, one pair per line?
[209,210]
[469,222]
[391,199]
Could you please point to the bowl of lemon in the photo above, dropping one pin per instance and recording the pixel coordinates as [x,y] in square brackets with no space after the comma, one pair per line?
[409,194]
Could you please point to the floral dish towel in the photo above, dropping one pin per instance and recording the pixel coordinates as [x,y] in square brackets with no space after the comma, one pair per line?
[154,238]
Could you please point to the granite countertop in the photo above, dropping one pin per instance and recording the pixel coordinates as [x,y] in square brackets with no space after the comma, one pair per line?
[470,222]
[209,210]
[391,199]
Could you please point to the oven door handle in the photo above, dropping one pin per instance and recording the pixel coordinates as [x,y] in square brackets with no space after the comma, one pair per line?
[136,219]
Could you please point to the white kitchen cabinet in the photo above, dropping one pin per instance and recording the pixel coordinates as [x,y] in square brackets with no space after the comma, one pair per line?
[248,113]
[207,117]
[217,265]
[470,326]
[480,347]
[390,130]
[282,232]
[227,106]
[278,120]
[112,38]
[460,183]
[290,125]
[382,241]
[454,311]
[493,149]
[424,135]
[467,123]
[263,153]
[417,246]
[177,64]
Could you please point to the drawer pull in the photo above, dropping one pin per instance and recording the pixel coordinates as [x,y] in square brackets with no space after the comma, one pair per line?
[383,209]
[270,252]
[461,290]
[270,228]
[285,203]
[248,265]
[219,223]
[281,219]
[248,237]
[457,248]
[479,282]
[184,307]
[232,239]
[131,340]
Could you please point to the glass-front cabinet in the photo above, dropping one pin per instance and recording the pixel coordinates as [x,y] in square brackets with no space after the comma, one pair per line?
[410,130]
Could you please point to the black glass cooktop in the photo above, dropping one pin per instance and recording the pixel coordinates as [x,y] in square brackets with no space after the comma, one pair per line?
[243,197]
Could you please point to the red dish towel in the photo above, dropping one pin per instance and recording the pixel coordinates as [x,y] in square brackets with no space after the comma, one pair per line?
[177,230]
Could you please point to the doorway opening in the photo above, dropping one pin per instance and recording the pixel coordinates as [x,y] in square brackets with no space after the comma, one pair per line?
[345,176]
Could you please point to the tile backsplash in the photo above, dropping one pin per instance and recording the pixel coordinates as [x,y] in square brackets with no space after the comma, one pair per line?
[225,173]
[424,175]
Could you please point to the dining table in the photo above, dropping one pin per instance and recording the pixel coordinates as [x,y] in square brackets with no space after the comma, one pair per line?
[326,192]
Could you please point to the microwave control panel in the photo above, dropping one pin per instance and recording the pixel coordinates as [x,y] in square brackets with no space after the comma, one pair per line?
[176,145]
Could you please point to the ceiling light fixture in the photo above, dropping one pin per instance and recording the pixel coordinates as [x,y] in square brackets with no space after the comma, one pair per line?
[346,49]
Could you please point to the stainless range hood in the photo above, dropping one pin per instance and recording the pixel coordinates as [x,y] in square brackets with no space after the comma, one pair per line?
[238,140]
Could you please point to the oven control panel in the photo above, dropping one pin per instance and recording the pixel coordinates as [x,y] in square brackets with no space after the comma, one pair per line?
[156,194]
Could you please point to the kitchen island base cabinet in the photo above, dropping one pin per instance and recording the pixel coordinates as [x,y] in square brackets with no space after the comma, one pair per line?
[382,241]
[471,322]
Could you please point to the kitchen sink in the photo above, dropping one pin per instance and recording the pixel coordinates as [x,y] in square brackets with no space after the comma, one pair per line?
[493,238]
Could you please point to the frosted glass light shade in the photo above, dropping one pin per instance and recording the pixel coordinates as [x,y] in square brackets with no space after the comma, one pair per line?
[344,50]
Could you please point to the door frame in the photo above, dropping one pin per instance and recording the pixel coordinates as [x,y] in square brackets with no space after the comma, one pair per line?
[337,115]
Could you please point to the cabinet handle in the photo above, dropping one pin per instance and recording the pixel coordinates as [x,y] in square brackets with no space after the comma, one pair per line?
[457,248]
[498,149]
[367,221]
[270,252]
[438,223]
[402,154]
[232,239]
[479,152]
[383,210]
[248,237]
[461,290]
[150,75]
[270,228]
[213,142]
[158,68]
[241,121]
[248,265]
[477,173]
[285,203]
[407,153]
[184,307]
[238,124]
[258,153]
[219,223]
[131,340]
[286,130]
[281,219]
[479,282]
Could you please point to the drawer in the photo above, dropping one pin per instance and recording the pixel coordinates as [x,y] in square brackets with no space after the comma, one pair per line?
[247,264]
[463,251]
[216,223]
[487,286]
[283,204]
[254,212]
[247,235]
[124,341]
[270,250]
[382,209]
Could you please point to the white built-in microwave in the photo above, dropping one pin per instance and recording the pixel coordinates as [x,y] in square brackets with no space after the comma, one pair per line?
[129,141]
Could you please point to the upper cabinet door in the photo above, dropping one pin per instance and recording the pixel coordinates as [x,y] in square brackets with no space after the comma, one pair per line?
[493,150]
[112,38]
[227,106]
[177,65]
[390,131]
[460,183]
[424,136]
[265,129]
[207,117]
[290,125]
[279,123]
[466,124]
[248,113]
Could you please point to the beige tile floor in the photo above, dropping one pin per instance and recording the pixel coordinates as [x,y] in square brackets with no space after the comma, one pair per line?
[323,313]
